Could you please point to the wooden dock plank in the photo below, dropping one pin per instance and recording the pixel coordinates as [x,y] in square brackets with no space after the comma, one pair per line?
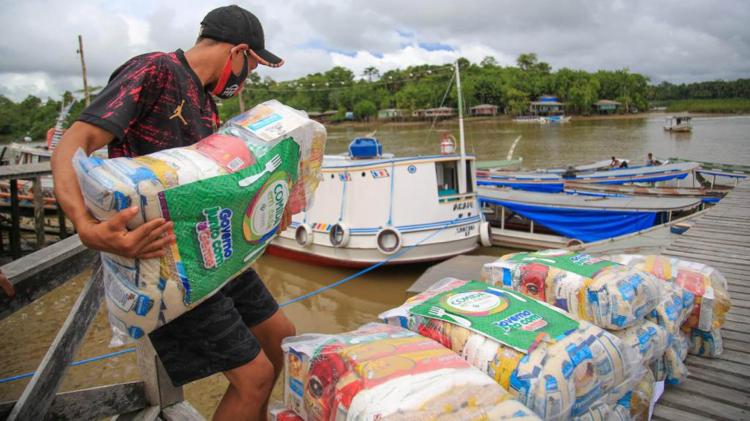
[716,388]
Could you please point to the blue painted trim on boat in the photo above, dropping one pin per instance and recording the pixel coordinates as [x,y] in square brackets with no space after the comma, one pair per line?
[411,228]
[397,160]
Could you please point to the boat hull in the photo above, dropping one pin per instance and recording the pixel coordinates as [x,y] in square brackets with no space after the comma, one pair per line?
[363,257]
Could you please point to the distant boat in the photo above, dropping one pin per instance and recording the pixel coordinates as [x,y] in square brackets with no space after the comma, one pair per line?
[534,220]
[678,124]
[529,119]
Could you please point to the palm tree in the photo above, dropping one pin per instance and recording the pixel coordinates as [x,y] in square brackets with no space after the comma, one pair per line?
[371,73]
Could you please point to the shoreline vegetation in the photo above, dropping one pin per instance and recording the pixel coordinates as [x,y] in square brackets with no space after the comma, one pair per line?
[341,95]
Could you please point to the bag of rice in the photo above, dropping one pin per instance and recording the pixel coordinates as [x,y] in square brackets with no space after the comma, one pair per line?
[555,365]
[382,372]
[607,294]
[225,195]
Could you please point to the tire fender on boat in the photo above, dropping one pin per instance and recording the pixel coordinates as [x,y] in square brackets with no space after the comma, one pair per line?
[303,235]
[485,234]
[574,244]
[339,235]
[389,240]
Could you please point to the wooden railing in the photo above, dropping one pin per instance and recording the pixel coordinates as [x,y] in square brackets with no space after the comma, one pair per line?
[152,397]
[34,172]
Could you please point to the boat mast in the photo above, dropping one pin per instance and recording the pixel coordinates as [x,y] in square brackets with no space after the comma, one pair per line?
[462,165]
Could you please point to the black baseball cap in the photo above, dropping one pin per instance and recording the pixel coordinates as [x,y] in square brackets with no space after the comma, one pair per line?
[236,25]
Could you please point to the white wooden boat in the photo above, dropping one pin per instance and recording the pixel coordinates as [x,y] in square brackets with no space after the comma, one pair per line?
[369,209]
[678,124]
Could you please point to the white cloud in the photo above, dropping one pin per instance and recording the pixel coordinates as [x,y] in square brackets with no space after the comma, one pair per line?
[676,40]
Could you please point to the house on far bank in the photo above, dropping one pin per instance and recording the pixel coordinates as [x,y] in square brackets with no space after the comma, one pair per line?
[607,106]
[483,110]
[547,105]
[391,114]
[441,112]
[322,117]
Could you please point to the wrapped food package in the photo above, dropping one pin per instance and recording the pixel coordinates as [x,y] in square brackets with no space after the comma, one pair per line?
[708,286]
[553,364]
[607,294]
[225,195]
[648,338]
[640,396]
[382,372]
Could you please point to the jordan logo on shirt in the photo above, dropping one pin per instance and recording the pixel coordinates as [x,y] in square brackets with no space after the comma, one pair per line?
[178,113]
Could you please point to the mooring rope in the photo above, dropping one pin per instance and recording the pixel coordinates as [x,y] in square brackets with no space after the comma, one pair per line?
[349,278]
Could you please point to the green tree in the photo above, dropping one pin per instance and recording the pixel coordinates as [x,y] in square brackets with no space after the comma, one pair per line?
[365,109]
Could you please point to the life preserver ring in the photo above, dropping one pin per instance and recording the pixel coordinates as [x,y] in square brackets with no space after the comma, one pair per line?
[574,244]
[339,235]
[389,240]
[303,235]
[485,234]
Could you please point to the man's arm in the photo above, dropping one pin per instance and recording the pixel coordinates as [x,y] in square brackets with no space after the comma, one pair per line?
[148,240]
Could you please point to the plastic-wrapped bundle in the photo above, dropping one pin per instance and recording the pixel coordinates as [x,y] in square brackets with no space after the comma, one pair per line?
[641,395]
[271,120]
[707,344]
[606,294]
[673,309]
[387,373]
[226,196]
[648,338]
[559,377]
[674,358]
[707,284]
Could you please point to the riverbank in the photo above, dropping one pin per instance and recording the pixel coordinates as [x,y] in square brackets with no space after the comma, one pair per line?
[378,124]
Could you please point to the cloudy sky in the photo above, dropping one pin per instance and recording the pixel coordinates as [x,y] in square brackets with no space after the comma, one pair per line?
[674,40]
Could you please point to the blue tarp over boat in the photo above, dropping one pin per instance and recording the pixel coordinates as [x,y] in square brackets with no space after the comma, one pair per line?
[584,217]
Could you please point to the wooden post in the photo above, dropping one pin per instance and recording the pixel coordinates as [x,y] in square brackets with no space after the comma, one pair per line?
[61,221]
[38,212]
[157,384]
[15,229]
[83,70]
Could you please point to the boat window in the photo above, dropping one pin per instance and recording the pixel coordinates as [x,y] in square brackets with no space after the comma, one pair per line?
[447,177]
[470,176]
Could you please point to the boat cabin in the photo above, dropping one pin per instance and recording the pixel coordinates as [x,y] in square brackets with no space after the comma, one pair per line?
[679,124]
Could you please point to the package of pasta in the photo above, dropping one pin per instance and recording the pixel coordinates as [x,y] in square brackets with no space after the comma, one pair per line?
[226,196]
[708,286]
[383,372]
[607,294]
[555,365]
[647,338]
[674,308]
[706,344]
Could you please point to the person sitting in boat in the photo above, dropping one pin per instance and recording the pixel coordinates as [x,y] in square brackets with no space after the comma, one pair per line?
[570,172]
[616,163]
[650,161]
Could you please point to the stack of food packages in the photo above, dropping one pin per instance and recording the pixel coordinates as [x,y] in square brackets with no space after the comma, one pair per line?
[559,367]
[638,308]
[226,196]
[383,372]
[709,287]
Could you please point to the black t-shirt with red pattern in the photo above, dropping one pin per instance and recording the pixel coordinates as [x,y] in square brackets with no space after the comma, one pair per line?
[152,102]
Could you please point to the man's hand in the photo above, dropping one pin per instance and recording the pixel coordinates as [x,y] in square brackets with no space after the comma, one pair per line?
[147,241]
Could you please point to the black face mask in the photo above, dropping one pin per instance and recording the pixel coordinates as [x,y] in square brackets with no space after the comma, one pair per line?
[229,84]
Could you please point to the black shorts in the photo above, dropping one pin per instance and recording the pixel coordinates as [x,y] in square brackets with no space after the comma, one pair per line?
[214,336]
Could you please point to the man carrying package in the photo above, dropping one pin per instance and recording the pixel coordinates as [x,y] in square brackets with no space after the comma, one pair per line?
[159,101]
